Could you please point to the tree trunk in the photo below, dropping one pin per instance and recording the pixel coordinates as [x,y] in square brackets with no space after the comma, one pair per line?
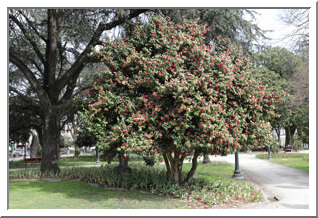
[35,144]
[290,132]
[123,164]
[174,163]
[50,146]
[287,138]
[167,166]
[194,167]
[291,135]
[206,159]
[174,167]
[277,130]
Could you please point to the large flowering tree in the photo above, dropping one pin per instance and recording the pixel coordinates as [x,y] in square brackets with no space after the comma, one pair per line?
[164,91]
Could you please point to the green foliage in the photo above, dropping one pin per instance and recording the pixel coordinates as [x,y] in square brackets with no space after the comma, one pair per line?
[66,141]
[208,190]
[229,23]
[85,138]
[275,147]
[23,116]
[163,90]
[279,60]
[108,155]
[284,72]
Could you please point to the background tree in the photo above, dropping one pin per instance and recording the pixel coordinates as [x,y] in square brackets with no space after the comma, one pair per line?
[298,19]
[163,90]
[278,85]
[230,23]
[293,79]
[50,47]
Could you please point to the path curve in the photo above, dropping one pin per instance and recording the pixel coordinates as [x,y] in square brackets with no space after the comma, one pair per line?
[283,187]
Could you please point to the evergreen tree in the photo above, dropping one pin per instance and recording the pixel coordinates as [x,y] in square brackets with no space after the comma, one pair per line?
[163,91]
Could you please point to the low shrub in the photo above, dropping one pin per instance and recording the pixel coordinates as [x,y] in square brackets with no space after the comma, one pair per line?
[275,147]
[153,179]
[25,174]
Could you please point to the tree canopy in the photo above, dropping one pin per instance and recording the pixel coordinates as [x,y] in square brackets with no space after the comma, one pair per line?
[285,71]
[49,48]
[163,90]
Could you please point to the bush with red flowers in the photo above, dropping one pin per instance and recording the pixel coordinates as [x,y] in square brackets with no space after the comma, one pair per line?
[163,91]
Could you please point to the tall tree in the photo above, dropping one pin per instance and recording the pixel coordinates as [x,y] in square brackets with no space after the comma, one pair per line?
[293,78]
[50,47]
[278,85]
[163,90]
[230,23]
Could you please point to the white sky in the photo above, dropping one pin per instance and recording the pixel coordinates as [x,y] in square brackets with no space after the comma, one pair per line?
[269,19]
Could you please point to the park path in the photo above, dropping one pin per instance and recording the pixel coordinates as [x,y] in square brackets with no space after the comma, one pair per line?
[283,187]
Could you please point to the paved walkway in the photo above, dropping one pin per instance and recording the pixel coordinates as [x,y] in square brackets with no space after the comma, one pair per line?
[289,186]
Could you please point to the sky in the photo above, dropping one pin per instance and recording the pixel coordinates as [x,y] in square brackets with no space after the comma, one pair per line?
[270,19]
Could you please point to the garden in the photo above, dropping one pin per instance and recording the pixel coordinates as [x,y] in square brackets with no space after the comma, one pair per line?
[145,187]
[152,92]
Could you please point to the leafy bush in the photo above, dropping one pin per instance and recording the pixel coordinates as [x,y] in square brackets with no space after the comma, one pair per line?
[298,144]
[153,179]
[275,147]
[166,92]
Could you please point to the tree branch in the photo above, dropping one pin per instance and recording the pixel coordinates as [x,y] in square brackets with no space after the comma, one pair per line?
[79,64]
[43,97]
[51,49]
[32,26]
[25,33]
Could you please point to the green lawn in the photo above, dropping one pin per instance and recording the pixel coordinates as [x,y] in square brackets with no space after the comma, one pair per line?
[298,161]
[80,195]
[83,160]
[40,194]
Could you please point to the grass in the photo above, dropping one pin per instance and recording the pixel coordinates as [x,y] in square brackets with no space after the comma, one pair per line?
[220,190]
[298,161]
[213,171]
[80,195]
[82,160]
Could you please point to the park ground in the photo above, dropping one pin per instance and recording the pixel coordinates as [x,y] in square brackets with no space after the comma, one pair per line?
[281,187]
[284,179]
